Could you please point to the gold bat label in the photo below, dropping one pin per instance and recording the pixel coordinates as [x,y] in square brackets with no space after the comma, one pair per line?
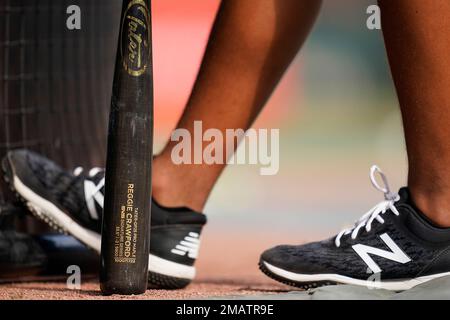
[135,38]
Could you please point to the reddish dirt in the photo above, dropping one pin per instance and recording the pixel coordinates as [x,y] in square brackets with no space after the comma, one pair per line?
[227,267]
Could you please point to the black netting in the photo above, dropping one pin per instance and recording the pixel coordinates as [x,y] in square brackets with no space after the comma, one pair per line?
[55,83]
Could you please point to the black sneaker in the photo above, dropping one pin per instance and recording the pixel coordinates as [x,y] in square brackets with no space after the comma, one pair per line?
[73,203]
[393,246]
[20,254]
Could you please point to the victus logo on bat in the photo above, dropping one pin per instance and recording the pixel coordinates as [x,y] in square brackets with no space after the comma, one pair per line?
[135,38]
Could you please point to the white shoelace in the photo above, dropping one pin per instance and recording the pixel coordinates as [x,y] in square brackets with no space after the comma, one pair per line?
[373,214]
[91,192]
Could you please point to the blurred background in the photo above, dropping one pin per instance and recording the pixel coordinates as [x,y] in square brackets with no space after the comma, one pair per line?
[336,109]
[337,112]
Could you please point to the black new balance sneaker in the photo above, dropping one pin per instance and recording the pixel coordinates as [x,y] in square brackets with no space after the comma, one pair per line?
[73,203]
[20,254]
[393,246]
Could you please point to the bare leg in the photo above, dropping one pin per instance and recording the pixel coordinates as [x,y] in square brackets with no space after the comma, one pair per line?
[418,44]
[250,47]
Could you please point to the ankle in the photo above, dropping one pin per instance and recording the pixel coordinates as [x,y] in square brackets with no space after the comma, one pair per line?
[162,187]
[172,188]
[435,204]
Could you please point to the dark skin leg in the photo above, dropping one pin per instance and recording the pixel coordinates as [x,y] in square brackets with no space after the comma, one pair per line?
[417,39]
[251,45]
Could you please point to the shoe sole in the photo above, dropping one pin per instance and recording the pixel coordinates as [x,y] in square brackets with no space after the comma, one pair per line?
[163,274]
[309,281]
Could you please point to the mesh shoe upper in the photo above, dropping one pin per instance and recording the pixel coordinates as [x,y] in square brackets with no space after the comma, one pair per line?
[61,187]
[325,257]
[180,228]
[19,249]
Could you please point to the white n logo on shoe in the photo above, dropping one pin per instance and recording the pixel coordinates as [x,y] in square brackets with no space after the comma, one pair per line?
[396,254]
[189,245]
[91,194]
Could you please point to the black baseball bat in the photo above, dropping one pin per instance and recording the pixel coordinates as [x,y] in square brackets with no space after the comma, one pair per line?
[126,219]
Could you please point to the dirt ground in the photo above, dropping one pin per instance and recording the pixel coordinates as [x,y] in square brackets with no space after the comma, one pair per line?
[227,267]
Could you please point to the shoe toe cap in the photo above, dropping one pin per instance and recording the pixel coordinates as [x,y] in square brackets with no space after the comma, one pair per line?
[277,256]
[19,160]
[310,258]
